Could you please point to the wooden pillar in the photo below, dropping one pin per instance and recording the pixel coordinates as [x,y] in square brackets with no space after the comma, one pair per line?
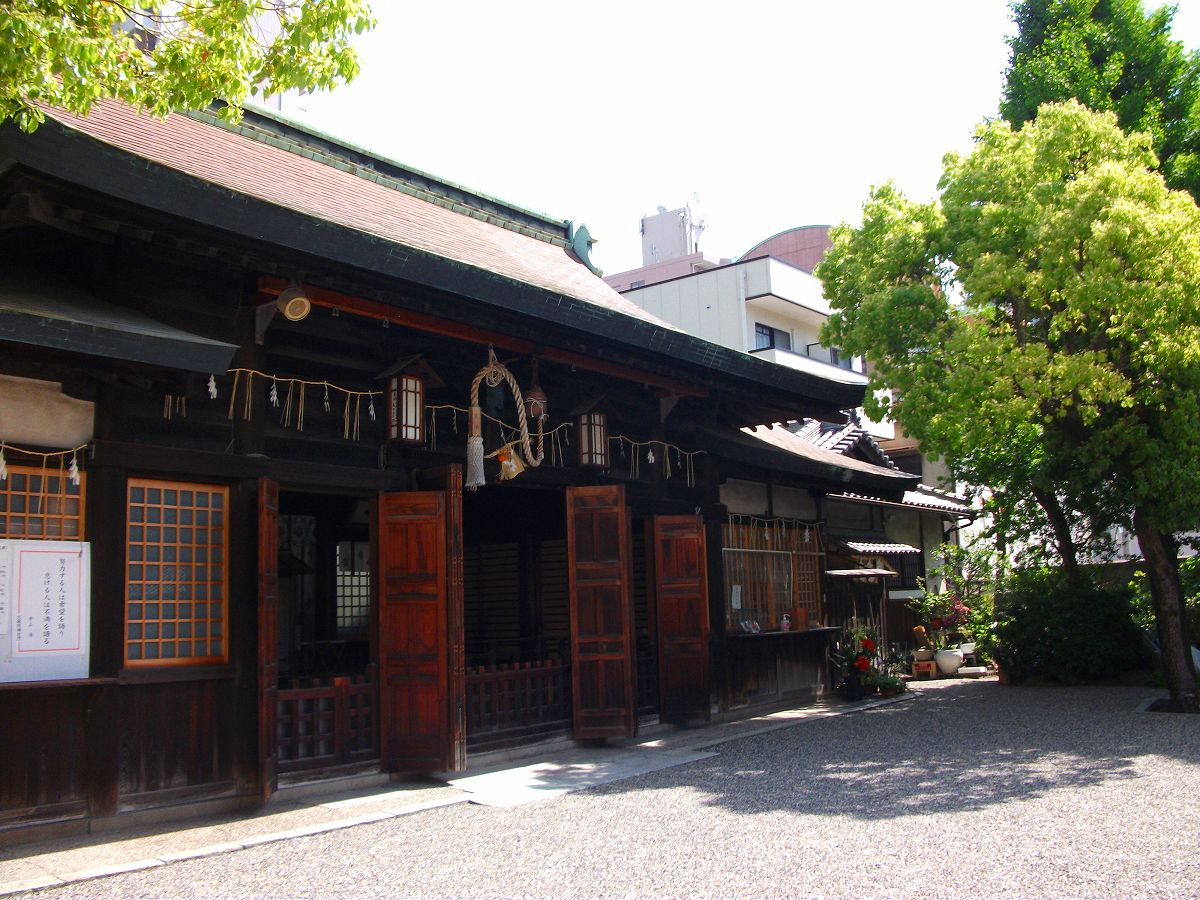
[248,432]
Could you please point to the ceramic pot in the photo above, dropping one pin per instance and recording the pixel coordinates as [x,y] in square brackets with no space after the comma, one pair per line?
[948,661]
[924,654]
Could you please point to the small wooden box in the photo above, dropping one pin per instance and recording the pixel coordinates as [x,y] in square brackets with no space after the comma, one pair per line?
[924,669]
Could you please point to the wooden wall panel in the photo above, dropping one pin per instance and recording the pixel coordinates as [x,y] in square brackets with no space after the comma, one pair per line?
[42,753]
[175,735]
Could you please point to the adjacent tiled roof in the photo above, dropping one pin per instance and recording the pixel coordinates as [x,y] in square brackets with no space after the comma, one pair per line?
[842,438]
[923,497]
[354,196]
[932,498]
[876,547]
[781,437]
[845,438]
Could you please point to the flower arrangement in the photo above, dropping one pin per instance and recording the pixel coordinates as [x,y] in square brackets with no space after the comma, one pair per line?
[857,662]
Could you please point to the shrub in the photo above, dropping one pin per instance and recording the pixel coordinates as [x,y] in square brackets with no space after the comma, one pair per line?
[1045,628]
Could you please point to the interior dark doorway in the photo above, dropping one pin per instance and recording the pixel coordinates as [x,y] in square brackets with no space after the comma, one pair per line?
[327,705]
[516,615]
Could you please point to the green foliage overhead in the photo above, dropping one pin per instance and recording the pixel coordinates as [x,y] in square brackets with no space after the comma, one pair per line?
[1040,326]
[73,53]
[1110,55]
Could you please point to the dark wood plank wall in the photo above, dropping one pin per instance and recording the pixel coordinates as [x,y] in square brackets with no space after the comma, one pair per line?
[773,668]
[174,737]
[44,751]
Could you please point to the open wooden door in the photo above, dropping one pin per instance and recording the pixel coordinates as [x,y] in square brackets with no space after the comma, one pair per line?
[681,586]
[415,721]
[450,480]
[602,641]
[268,634]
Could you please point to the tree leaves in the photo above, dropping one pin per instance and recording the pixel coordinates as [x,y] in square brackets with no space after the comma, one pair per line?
[1065,355]
[72,53]
[1110,55]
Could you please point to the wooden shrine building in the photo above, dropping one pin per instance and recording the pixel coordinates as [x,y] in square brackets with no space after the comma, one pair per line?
[242,371]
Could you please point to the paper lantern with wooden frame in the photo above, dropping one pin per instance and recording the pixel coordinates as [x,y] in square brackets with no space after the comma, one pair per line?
[405,384]
[591,426]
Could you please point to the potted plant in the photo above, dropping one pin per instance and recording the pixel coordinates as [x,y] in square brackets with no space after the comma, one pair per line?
[889,685]
[855,663]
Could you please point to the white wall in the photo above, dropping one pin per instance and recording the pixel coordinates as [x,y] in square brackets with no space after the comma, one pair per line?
[36,414]
[708,305]
[744,498]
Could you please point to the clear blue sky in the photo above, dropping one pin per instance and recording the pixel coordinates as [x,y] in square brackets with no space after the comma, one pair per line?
[774,113]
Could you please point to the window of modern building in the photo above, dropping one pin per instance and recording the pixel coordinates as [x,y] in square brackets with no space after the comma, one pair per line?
[41,504]
[767,338]
[176,573]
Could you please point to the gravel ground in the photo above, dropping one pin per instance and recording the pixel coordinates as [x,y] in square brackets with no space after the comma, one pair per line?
[971,790]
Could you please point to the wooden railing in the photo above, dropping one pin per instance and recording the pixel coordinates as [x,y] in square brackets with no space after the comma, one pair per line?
[327,721]
[517,699]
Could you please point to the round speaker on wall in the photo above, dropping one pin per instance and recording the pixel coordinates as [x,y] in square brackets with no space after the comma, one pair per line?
[293,304]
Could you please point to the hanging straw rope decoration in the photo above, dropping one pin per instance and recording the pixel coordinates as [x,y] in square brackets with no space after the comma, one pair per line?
[293,405]
[495,372]
[684,459]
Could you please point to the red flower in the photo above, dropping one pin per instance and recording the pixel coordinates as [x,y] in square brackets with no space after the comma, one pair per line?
[935,623]
[862,663]
[868,645]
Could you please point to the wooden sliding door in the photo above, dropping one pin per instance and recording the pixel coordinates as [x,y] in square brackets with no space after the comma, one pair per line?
[681,587]
[602,641]
[418,730]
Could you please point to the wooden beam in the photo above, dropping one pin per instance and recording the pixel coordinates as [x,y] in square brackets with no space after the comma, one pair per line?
[270,287]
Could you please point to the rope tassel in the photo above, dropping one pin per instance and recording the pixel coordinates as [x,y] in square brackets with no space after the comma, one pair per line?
[475,477]
[495,372]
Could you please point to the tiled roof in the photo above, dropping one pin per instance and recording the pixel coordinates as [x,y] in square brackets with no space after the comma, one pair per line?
[782,438]
[253,163]
[842,438]
[933,498]
[923,497]
[877,547]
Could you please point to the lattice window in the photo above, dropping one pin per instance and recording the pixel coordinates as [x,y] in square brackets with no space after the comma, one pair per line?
[176,572]
[772,568]
[353,588]
[37,503]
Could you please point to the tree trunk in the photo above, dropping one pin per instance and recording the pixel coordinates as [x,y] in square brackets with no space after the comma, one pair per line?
[1061,526]
[1162,571]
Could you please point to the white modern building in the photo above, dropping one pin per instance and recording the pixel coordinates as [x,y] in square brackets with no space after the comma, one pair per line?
[768,304]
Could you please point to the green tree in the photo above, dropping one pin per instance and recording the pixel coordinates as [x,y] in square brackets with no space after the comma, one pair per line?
[166,56]
[1040,328]
[1110,55]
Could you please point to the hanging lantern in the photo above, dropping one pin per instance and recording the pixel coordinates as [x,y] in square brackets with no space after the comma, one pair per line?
[537,404]
[406,409]
[404,399]
[593,439]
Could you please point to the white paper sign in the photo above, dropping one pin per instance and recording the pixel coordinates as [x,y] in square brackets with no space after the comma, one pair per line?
[45,609]
[5,610]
